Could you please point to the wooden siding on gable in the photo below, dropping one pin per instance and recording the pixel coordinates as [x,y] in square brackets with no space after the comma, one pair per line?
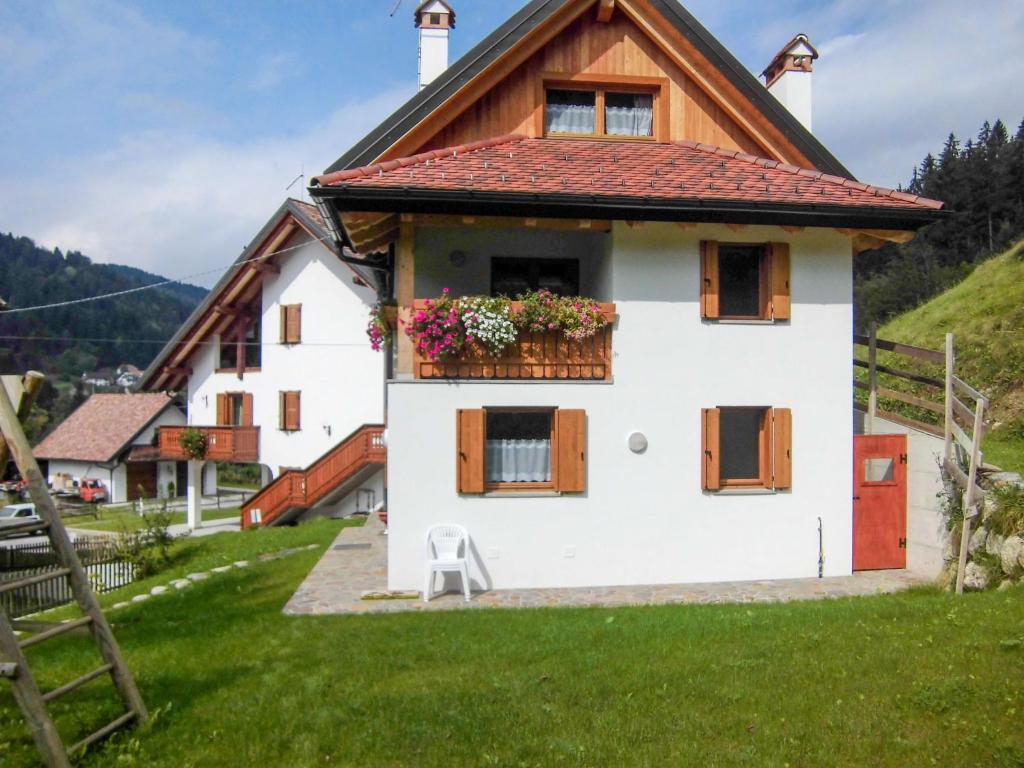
[603,51]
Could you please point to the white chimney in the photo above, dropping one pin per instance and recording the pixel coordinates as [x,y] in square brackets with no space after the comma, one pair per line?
[434,19]
[788,77]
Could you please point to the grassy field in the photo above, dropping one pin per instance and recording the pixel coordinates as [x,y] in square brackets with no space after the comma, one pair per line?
[125,518]
[916,679]
[986,312]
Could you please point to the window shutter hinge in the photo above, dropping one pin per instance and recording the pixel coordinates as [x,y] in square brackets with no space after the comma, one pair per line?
[903,458]
[903,543]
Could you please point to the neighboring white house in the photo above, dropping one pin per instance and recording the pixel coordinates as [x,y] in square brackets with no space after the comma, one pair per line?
[275,365]
[112,438]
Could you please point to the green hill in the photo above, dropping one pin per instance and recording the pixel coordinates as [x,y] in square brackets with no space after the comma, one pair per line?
[986,312]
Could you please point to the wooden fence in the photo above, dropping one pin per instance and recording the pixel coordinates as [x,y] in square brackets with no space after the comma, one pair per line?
[106,569]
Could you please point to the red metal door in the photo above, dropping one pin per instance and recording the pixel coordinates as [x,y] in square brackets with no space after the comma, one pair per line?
[879,502]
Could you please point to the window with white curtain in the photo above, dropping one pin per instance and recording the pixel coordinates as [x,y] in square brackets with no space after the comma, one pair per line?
[599,112]
[518,446]
[571,112]
[629,114]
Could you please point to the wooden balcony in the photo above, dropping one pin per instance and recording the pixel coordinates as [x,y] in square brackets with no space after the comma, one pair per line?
[239,444]
[535,355]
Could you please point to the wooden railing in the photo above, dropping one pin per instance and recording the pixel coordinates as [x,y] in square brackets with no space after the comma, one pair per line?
[535,355]
[241,444]
[301,489]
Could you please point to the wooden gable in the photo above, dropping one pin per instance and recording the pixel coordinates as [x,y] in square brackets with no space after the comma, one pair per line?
[637,46]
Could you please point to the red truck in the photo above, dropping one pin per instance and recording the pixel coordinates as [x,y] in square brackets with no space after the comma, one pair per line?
[91,490]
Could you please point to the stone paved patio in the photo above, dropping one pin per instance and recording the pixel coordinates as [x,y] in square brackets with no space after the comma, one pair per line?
[338,582]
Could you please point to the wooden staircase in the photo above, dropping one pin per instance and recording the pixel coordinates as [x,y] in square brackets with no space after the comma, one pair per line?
[296,490]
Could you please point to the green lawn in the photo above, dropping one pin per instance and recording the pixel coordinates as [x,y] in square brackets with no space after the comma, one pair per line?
[915,679]
[118,518]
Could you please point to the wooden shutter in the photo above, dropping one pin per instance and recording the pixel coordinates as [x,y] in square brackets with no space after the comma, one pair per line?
[289,411]
[223,410]
[470,430]
[709,279]
[779,258]
[782,447]
[246,410]
[710,472]
[571,437]
[291,323]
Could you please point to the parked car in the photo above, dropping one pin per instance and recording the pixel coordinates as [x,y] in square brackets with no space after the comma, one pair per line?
[91,490]
[19,514]
[12,486]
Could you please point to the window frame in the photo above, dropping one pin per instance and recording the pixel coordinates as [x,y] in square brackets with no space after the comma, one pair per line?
[656,87]
[775,452]
[534,487]
[774,277]
[764,450]
[569,452]
[282,418]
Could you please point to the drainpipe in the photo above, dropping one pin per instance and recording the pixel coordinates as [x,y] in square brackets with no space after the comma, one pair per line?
[821,552]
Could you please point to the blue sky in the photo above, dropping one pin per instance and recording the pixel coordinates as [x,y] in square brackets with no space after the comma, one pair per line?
[130,128]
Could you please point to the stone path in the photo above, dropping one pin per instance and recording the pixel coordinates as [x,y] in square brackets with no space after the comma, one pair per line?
[338,582]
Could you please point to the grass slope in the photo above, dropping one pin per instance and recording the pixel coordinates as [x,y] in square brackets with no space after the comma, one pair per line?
[915,679]
[986,312]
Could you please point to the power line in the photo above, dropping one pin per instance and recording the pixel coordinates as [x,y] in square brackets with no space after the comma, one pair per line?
[101,340]
[127,291]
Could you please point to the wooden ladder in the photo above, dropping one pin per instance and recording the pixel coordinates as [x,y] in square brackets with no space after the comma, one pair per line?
[13,664]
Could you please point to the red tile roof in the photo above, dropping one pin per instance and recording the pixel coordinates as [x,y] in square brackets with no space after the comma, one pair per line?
[682,170]
[101,427]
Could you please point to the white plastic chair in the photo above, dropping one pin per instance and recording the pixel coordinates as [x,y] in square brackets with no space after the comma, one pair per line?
[444,542]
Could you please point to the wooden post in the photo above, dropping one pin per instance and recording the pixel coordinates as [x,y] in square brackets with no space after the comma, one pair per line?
[872,379]
[406,288]
[81,586]
[969,500]
[950,368]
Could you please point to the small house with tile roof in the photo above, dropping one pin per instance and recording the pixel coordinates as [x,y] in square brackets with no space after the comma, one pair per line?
[668,398]
[113,438]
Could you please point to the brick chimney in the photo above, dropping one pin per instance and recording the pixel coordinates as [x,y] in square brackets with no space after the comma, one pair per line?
[788,77]
[434,19]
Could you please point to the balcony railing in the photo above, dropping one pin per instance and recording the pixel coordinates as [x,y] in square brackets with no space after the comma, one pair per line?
[240,444]
[535,355]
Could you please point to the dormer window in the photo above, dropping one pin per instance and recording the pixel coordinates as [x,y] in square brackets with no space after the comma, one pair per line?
[602,112]
[435,19]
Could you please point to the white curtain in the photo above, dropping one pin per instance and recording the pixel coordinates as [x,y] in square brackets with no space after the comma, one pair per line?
[518,461]
[635,120]
[571,118]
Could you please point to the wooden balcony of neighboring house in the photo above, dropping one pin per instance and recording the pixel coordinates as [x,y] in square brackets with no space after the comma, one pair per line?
[238,444]
[535,355]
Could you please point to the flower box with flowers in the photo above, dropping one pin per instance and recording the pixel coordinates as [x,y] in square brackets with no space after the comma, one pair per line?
[538,336]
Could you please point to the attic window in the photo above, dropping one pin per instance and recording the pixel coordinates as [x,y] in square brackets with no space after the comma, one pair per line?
[435,19]
[599,112]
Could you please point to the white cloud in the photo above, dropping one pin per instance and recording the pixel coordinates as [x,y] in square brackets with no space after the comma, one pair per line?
[174,204]
[896,77]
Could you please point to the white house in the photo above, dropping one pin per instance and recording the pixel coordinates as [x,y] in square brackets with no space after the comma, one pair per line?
[609,150]
[613,149]
[112,438]
[276,369]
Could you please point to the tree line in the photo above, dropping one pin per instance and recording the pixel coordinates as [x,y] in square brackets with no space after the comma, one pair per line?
[981,181]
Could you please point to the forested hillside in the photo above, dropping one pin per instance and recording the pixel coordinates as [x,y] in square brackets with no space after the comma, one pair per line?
[982,183]
[30,275]
[66,342]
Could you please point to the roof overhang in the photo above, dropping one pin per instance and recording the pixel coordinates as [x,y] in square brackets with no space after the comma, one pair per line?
[572,206]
